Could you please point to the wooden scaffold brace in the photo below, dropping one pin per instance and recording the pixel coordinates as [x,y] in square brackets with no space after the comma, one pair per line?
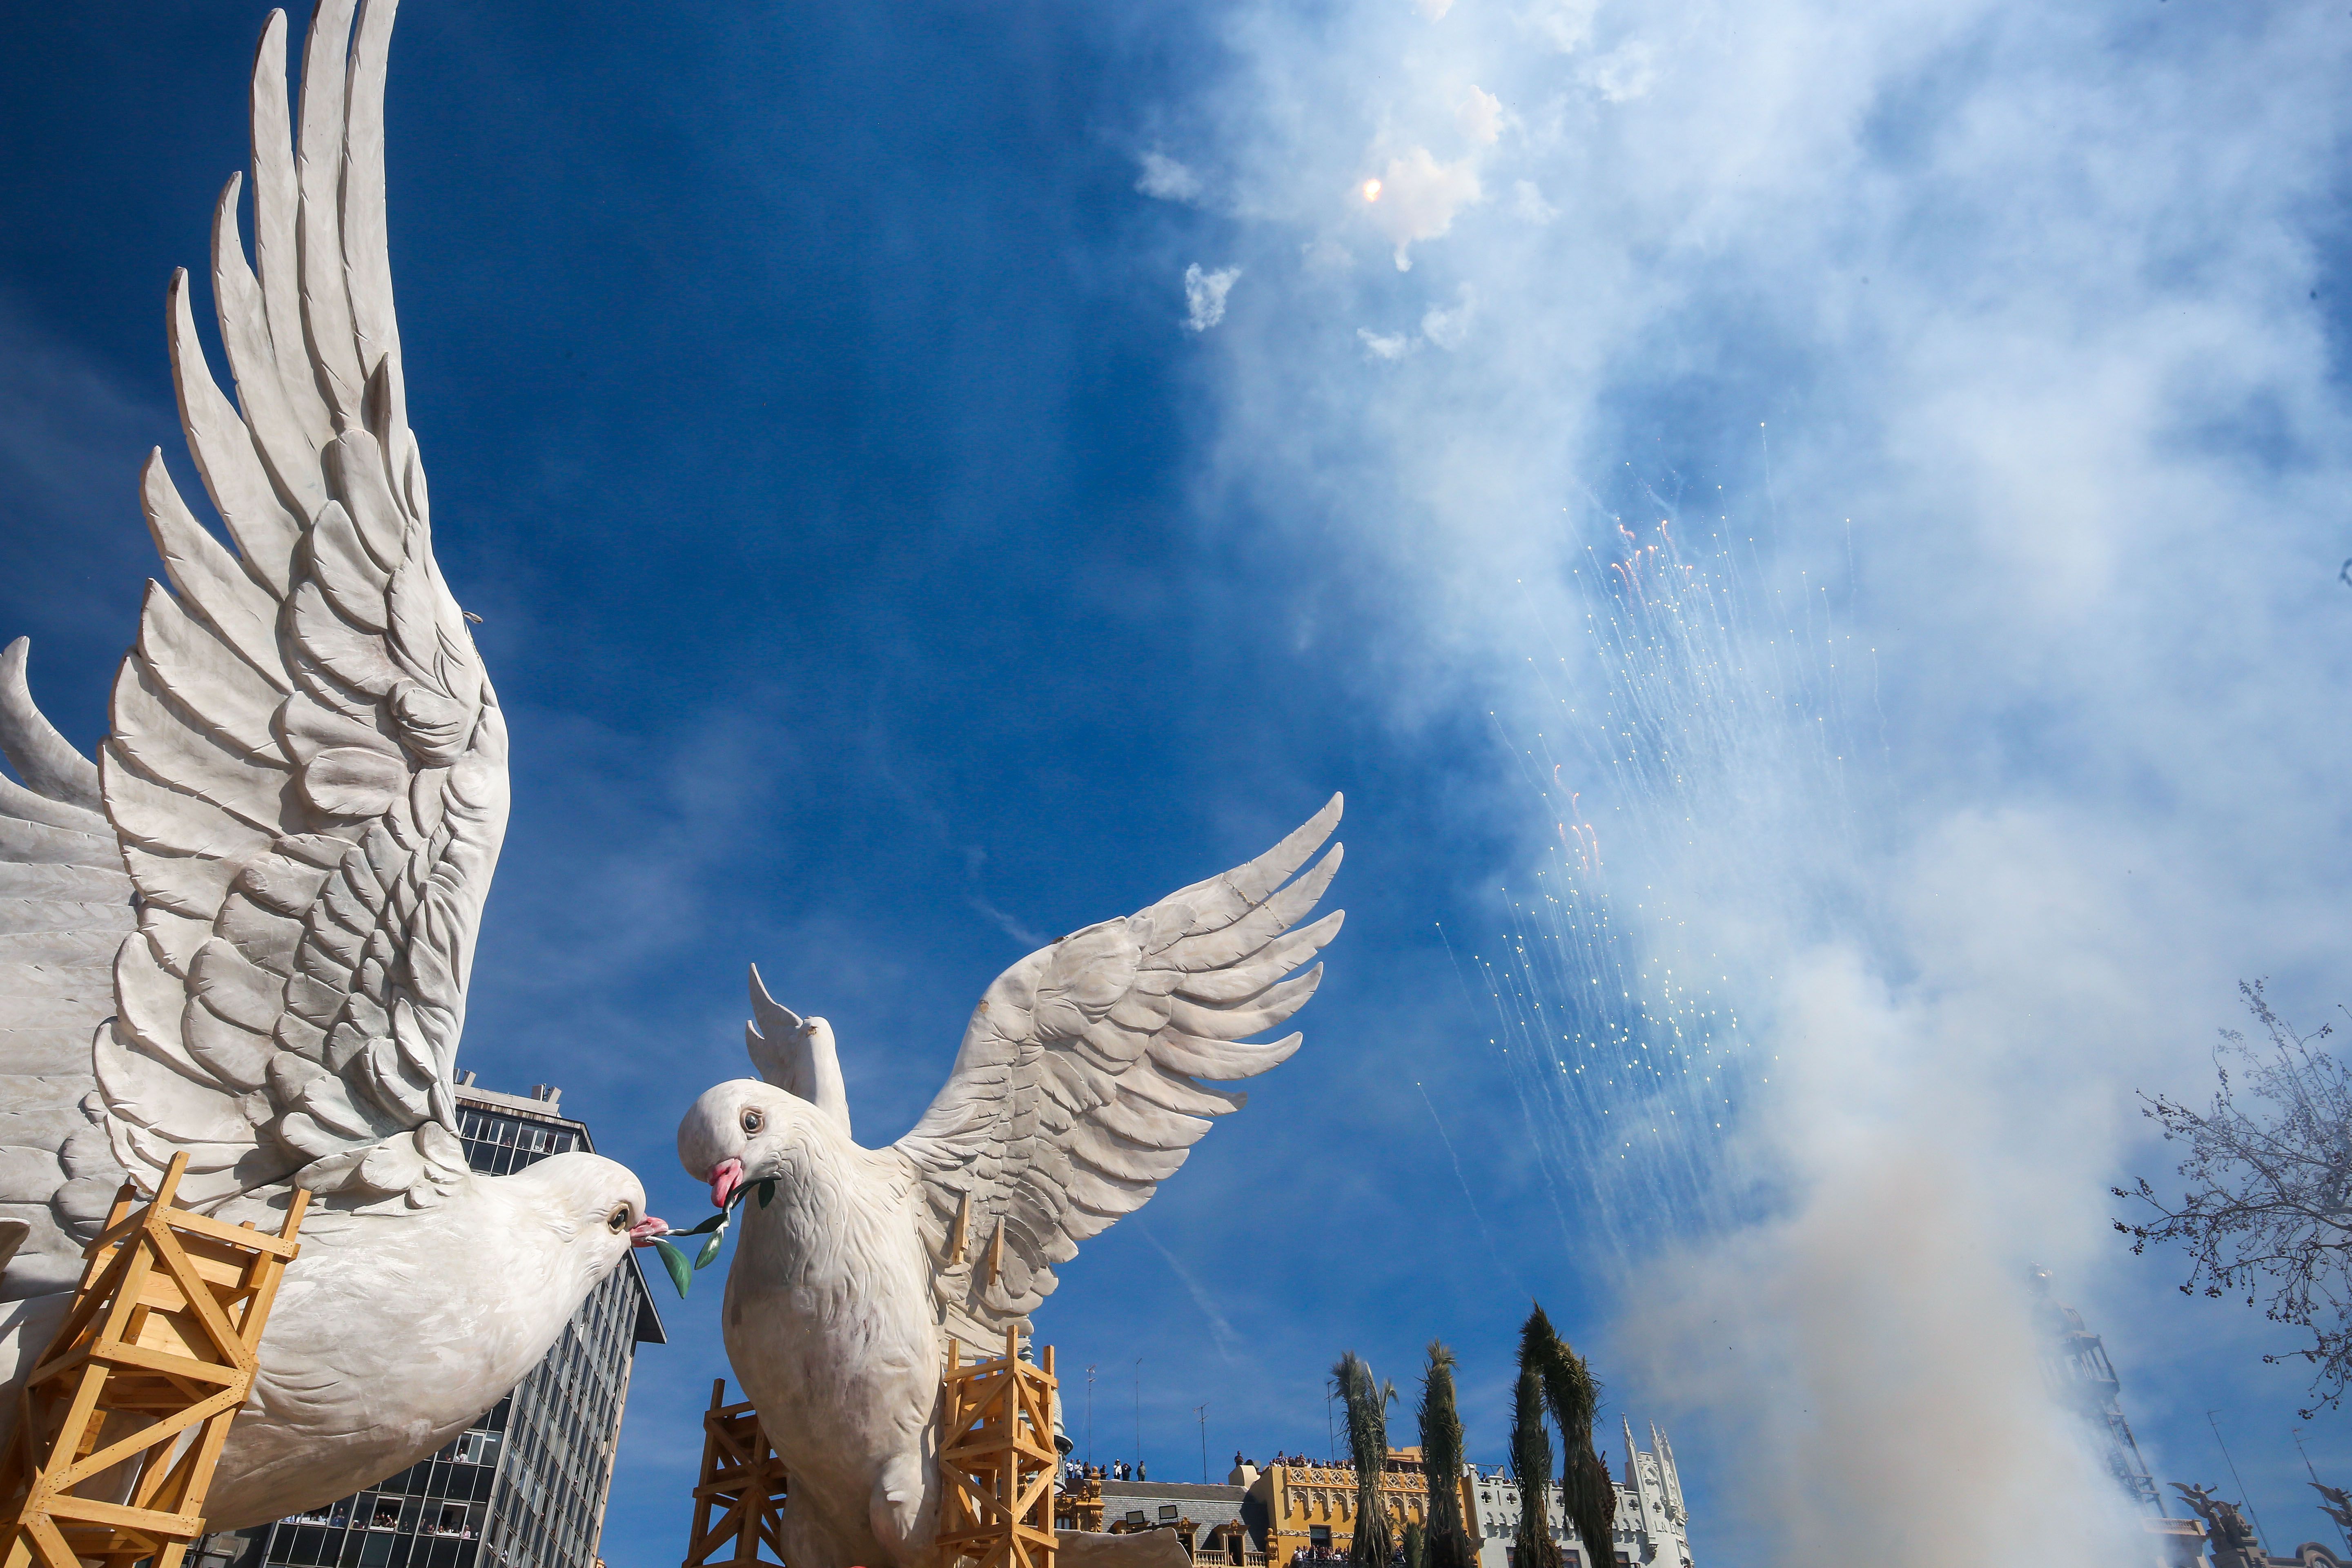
[997,1459]
[743,1482]
[122,1420]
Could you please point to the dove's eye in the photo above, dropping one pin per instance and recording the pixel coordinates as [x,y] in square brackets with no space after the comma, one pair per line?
[753,1121]
[618,1220]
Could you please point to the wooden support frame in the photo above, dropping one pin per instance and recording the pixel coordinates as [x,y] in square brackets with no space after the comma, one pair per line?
[997,1459]
[123,1419]
[742,1484]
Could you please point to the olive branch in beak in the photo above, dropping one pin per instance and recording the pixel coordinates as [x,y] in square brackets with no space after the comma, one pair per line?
[674,1258]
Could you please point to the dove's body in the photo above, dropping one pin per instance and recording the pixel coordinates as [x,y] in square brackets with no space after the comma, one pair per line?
[830,1329]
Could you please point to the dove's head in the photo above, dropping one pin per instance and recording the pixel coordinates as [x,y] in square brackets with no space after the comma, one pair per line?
[594,1206]
[744,1131]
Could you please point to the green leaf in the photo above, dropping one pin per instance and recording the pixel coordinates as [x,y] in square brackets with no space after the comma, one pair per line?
[767,1191]
[715,1222]
[681,1273]
[710,1248]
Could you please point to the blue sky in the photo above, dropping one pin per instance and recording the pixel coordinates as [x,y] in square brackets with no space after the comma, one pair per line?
[937,477]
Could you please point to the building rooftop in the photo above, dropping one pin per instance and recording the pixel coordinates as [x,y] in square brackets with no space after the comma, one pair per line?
[544,1100]
[1170,1490]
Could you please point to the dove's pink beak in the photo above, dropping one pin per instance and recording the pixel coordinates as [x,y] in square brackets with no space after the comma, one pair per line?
[726,1180]
[642,1233]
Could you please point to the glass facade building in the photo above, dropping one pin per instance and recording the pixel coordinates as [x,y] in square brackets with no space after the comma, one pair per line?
[525,1486]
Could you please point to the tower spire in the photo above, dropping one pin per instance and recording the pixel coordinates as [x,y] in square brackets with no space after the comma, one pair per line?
[1666,1472]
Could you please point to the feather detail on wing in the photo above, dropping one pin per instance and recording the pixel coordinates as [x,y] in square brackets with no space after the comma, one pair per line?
[306,766]
[64,907]
[1077,1089]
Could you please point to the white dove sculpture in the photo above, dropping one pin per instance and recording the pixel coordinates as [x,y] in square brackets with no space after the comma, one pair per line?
[1078,1089]
[245,933]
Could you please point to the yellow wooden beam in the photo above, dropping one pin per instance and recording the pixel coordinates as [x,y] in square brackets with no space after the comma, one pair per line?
[164,1330]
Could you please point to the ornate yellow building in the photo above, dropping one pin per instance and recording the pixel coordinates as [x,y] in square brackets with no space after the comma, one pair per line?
[1312,1507]
[1296,1511]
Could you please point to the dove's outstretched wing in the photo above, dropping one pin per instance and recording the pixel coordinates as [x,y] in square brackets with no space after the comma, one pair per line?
[1077,1091]
[65,907]
[307,767]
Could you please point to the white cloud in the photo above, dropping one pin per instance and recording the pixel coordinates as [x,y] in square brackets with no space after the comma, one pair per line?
[1565,25]
[1166,179]
[1415,198]
[1009,924]
[1528,202]
[1205,296]
[1479,113]
[1448,328]
[1326,256]
[2034,620]
[1624,73]
[1433,9]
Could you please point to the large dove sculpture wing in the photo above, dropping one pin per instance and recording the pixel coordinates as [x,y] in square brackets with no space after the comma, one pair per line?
[1090,1068]
[306,765]
[299,801]
[65,908]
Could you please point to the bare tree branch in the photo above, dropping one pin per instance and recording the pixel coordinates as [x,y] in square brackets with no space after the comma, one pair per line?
[2267,1204]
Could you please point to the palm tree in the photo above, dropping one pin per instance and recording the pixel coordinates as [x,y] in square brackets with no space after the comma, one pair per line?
[1416,1545]
[1531,1464]
[1588,1496]
[1367,1442]
[1447,1540]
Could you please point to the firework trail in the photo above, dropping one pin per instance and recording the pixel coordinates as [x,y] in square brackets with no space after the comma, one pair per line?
[1793,1256]
[1463,1183]
[1689,740]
